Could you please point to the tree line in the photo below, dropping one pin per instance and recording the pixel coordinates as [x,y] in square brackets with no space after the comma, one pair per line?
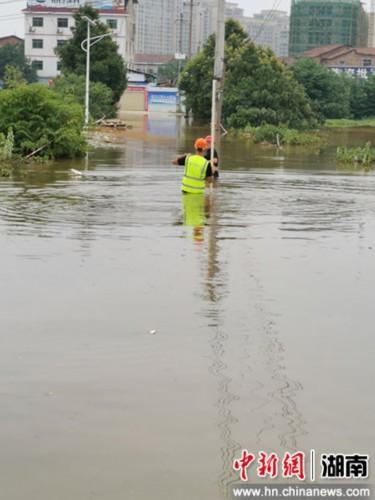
[260,90]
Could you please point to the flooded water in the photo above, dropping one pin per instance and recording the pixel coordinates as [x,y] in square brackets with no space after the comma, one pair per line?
[147,338]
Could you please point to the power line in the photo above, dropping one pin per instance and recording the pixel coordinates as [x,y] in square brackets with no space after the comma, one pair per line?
[268,17]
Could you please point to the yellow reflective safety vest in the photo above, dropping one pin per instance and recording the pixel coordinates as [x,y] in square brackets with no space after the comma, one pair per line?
[194,179]
[193,210]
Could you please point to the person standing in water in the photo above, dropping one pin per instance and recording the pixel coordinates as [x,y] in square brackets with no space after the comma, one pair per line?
[215,155]
[197,169]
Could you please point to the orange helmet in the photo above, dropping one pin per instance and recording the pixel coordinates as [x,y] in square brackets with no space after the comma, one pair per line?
[200,144]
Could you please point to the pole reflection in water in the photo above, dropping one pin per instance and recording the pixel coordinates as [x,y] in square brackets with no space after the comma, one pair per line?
[215,292]
[200,214]
[271,414]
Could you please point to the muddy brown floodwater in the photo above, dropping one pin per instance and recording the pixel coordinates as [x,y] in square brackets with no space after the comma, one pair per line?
[261,297]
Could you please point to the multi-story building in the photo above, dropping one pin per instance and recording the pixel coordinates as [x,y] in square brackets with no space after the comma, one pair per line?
[156,27]
[315,23]
[167,27]
[190,36]
[50,24]
[269,28]
[371,29]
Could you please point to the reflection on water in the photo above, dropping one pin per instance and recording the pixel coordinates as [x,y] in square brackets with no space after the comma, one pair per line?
[260,294]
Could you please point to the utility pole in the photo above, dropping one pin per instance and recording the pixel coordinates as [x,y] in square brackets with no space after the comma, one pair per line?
[218,81]
[190,53]
[181,32]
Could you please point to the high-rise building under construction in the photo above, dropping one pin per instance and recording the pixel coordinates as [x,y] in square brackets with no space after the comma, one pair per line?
[315,23]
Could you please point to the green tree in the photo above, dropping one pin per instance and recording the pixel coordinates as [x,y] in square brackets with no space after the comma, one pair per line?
[72,87]
[329,92]
[258,88]
[106,64]
[169,73]
[14,55]
[359,105]
[13,77]
[38,118]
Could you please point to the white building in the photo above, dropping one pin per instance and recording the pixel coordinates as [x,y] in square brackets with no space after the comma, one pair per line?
[269,29]
[371,28]
[50,24]
[156,27]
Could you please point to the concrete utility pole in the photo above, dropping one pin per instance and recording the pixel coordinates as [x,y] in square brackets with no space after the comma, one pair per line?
[218,81]
[191,29]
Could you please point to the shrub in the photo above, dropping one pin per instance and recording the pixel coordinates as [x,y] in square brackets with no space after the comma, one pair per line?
[72,88]
[274,134]
[40,118]
[364,155]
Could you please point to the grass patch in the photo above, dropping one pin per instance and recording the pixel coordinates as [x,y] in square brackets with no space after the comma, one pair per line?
[345,123]
[363,156]
[280,136]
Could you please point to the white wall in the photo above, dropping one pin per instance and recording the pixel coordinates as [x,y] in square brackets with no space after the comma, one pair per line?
[50,34]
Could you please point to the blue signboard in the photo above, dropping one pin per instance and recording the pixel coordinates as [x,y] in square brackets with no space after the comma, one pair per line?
[163,98]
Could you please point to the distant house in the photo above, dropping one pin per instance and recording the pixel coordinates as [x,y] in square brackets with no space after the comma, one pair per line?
[358,61]
[10,40]
[150,63]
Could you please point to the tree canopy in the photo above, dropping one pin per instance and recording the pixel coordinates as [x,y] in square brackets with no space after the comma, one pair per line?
[14,55]
[39,118]
[328,91]
[258,88]
[169,73]
[72,87]
[106,64]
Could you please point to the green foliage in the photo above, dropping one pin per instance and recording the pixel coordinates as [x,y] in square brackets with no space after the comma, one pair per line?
[72,88]
[13,55]
[258,88]
[13,77]
[363,156]
[362,97]
[106,64]
[169,73]
[41,118]
[6,153]
[275,134]
[329,92]
[6,145]
[350,123]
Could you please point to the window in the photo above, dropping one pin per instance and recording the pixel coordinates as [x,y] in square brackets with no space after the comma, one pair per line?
[37,43]
[61,42]
[342,63]
[367,62]
[37,22]
[38,65]
[112,23]
[62,22]
[58,65]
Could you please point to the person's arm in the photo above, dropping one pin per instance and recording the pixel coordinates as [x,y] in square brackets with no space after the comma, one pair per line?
[180,161]
[216,158]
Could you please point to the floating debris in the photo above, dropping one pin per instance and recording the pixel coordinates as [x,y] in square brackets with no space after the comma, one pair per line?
[113,123]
